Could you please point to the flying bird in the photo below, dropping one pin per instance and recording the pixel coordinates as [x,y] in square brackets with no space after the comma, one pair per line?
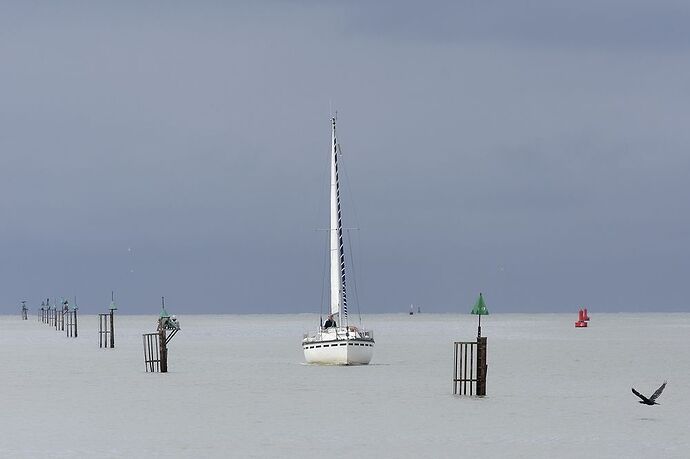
[651,400]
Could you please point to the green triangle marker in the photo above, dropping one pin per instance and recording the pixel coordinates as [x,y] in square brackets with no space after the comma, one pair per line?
[480,310]
[480,307]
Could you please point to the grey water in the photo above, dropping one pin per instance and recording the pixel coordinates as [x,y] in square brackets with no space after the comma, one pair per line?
[237,387]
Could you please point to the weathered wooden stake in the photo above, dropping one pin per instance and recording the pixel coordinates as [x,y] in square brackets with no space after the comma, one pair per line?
[481,366]
[112,328]
[112,319]
[469,367]
[163,346]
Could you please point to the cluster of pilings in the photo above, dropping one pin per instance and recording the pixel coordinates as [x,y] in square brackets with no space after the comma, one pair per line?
[155,344]
[60,318]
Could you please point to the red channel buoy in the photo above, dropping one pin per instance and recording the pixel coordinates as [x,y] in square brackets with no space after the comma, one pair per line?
[581,321]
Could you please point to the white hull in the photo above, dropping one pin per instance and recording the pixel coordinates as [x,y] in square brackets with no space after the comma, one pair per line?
[341,347]
[350,352]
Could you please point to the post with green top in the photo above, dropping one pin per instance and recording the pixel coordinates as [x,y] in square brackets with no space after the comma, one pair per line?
[106,325]
[113,308]
[480,310]
[469,373]
[156,344]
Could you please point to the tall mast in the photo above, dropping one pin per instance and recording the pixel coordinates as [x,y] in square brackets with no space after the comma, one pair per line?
[338,294]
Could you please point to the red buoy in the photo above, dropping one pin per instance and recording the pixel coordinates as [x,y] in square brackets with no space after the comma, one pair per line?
[581,321]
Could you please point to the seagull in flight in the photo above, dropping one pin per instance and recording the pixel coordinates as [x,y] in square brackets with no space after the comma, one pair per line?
[651,400]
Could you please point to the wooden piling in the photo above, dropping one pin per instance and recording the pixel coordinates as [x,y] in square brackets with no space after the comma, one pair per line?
[156,344]
[470,367]
[112,328]
[482,367]
[163,347]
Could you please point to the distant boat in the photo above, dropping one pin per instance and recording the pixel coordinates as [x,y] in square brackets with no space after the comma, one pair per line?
[337,342]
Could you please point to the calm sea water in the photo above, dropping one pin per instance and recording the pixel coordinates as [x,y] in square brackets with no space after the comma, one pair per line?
[237,387]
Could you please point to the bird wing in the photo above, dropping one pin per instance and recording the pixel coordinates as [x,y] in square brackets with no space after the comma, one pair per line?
[658,392]
[639,395]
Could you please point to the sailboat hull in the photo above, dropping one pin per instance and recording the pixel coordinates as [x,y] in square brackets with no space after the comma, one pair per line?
[339,352]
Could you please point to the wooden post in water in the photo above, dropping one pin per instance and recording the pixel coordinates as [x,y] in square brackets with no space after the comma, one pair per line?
[112,328]
[163,346]
[112,319]
[156,344]
[469,367]
[481,366]
[162,338]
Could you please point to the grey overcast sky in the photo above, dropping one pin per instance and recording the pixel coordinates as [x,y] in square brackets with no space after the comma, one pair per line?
[536,151]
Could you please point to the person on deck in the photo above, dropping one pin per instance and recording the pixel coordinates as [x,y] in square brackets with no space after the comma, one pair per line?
[330,322]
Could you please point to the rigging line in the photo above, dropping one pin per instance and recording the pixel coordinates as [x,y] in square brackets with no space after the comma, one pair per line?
[354,278]
[347,190]
[341,251]
[353,207]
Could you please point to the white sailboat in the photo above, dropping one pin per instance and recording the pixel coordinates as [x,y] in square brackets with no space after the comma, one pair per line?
[337,342]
